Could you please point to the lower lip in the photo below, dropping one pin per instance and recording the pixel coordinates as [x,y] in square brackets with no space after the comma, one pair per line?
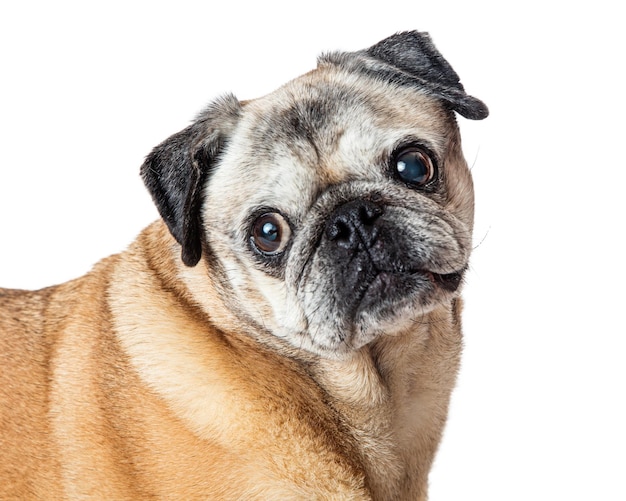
[449,282]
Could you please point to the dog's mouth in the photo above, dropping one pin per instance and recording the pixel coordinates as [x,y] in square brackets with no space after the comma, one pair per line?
[391,287]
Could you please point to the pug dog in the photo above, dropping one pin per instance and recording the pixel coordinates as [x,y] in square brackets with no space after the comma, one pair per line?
[289,330]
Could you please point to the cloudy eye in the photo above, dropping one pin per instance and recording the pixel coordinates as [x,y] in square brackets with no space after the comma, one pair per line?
[413,166]
[270,233]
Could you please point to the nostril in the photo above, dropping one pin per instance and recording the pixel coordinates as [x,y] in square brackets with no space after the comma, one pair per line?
[338,230]
[368,213]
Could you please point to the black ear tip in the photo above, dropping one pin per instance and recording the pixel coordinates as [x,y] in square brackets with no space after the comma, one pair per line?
[472,108]
[191,255]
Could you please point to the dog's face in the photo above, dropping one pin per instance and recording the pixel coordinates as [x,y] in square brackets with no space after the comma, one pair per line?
[335,210]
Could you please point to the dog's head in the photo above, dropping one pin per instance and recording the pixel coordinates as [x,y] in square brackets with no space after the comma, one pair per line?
[336,209]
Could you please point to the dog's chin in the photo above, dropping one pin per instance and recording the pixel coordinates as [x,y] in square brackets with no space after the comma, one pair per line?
[394,302]
[388,304]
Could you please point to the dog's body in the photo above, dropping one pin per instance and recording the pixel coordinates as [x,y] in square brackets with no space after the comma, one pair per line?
[306,344]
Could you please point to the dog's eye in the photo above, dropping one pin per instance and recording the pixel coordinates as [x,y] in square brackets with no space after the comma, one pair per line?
[270,233]
[413,166]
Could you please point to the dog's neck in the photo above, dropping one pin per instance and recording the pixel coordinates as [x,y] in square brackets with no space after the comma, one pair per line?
[388,393]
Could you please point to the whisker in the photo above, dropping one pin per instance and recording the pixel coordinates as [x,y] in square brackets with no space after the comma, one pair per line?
[483,239]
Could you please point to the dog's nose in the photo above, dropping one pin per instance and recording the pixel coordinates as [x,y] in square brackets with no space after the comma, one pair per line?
[352,224]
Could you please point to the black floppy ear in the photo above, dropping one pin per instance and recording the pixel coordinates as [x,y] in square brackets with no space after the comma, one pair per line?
[410,58]
[176,170]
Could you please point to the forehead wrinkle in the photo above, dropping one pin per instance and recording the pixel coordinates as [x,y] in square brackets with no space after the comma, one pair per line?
[303,128]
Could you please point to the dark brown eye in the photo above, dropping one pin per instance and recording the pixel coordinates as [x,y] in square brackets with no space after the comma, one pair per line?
[413,166]
[270,233]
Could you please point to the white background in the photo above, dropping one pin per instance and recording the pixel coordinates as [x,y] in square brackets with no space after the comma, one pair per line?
[86,91]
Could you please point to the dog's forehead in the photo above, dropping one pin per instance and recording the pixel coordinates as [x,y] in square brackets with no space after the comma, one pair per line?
[324,128]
